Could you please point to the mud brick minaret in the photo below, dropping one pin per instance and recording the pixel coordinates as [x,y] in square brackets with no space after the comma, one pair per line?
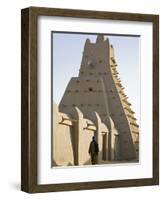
[98,89]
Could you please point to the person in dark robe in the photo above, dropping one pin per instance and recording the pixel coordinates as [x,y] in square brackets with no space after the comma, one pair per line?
[93,151]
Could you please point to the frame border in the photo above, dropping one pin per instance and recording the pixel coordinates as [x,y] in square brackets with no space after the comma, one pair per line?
[29,99]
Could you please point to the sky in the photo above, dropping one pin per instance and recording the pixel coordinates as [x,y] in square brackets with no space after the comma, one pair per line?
[67,56]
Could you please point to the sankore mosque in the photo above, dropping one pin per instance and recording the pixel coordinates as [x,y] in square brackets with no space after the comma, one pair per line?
[95,104]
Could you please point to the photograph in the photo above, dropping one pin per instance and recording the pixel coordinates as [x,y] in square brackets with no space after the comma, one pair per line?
[90,99]
[95,99]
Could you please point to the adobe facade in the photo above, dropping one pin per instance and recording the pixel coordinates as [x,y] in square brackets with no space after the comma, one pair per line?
[95,104]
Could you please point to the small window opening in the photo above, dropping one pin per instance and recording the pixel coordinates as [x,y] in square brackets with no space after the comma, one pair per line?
[90,89]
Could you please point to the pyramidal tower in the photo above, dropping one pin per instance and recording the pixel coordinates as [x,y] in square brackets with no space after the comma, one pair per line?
[98,89]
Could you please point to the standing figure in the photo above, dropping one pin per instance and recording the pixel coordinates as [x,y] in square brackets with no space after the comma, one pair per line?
[93,151]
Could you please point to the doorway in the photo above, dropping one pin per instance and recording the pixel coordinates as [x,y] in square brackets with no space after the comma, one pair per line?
[104,147]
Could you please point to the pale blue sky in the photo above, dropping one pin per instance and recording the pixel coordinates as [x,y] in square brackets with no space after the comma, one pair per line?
[67,55]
